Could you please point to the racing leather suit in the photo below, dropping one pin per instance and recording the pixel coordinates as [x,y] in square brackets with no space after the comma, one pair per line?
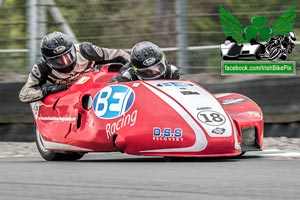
[88,56]
[127,74]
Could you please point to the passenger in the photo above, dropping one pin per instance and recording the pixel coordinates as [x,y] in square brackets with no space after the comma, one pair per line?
[147,62]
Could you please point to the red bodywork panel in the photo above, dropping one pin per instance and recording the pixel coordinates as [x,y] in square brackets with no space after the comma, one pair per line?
[154,118]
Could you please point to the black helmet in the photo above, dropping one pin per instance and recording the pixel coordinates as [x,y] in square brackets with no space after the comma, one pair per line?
[59,51]
[148,61]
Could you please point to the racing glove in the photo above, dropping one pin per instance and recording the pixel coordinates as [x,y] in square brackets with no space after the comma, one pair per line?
[50,89]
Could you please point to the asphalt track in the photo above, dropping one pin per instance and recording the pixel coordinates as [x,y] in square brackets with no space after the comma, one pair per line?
[264,175]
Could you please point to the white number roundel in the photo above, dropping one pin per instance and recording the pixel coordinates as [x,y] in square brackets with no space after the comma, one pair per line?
[113,101]
[211,118]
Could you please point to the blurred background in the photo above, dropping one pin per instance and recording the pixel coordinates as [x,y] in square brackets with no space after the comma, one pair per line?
[189,32]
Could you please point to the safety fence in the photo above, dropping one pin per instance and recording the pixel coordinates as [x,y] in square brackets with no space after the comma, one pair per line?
[189,31]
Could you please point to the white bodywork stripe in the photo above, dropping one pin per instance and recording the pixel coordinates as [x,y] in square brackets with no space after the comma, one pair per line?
[35,108]
[200,142]
[222,95]
[199,103]
[236,144]
[55,145]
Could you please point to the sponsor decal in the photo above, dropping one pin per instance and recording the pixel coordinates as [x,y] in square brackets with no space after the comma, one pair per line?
[174,84]
[63,119]
[233,101]
[59,49]
[113,101]
[246,114]
[211,118]
[203,108]
[136,84]
[200,142]
[125,120]
[166,134]
[219,131]
[82,80]
[149,61]
[221,95]
[189,93]
[35,107]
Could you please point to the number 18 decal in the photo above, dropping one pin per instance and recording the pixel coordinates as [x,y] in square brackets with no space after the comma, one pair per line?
[211,118]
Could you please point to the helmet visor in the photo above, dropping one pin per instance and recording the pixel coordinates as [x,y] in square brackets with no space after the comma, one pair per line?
[152,72]
[64,60]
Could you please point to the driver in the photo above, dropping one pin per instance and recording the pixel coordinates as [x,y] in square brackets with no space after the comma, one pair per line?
[148,62]
[62,63]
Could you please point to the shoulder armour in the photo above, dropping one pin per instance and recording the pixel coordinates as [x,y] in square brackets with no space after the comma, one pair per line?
[91,52]
[172,72]
[40,70]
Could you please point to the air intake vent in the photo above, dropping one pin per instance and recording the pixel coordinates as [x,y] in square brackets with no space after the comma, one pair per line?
[87,102]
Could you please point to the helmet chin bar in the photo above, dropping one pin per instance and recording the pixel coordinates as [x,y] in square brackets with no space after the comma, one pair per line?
[66,69]
[150,78]
[63,70]
[153,72]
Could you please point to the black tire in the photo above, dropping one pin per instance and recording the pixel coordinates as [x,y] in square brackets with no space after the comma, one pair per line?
[180,159]
[257,56]
[52,155]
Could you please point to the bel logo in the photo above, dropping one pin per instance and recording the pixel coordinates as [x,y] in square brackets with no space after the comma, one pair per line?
[113,101]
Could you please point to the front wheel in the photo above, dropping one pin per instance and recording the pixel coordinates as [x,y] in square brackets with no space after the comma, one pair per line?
[275,53]
[50,155]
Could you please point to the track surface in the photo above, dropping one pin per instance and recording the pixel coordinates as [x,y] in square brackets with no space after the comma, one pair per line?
[264,175]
